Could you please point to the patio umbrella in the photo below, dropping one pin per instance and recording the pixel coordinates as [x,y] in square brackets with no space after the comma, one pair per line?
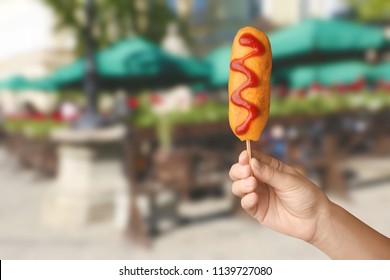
[346,72]
[298,77]
[190,67]
[305,38]
[132,62]
[135,60]
[328,74]
[219,61]
[43,84]
[325,36]
[15,83]
[20,83]
[68,75]
[134,57]
[382,72]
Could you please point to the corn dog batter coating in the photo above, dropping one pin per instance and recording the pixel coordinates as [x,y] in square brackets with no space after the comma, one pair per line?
[249,83]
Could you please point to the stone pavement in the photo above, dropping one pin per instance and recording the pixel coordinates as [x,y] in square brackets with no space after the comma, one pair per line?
[23,235]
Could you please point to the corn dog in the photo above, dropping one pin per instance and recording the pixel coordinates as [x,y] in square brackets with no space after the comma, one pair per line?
[249,83]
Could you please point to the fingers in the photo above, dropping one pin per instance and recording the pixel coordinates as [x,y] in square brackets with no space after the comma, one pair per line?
[266,169]
[242,187]
[243,158]
[271,176]
[273,162]
[239,171]
[277,164]
[250,203]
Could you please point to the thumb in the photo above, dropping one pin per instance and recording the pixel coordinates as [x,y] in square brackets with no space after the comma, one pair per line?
[271,176]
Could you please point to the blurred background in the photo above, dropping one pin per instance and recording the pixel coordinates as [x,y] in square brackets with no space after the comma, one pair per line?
[114,136]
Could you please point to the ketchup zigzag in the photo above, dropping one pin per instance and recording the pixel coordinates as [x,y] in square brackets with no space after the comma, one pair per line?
[247,40]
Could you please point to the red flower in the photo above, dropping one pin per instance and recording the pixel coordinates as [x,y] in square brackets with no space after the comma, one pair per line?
[315,86]
[36,116]
[156,99]
[383,85]
[56,116]
[284,90]
[355,86]
[132,102]
[201,98]
[301,93]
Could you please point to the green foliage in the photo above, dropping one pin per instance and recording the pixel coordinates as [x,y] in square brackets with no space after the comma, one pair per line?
[209,112]
[371,10]
[280,107]
[31,128]
[114,19]
[144,117]
[333,103]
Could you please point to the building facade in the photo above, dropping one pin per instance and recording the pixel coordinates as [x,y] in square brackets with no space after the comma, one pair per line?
[30,46]
[282,13]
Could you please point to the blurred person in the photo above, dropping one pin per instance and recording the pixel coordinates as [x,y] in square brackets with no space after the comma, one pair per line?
[178,98]
[120,107]
[278,148]
[173,43]
[281,198]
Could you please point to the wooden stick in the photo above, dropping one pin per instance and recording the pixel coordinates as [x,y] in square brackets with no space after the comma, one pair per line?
[248,150]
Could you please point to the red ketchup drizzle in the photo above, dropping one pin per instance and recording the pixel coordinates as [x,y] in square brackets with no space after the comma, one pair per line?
[247,40]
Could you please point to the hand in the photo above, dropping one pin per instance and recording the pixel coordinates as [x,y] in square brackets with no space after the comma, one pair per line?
[278,196]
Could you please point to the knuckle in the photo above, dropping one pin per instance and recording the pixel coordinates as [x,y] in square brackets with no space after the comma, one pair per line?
[268,173]
[276,163]
[243,204]
[252,183]
[234,188]
[232,171]
[246,172]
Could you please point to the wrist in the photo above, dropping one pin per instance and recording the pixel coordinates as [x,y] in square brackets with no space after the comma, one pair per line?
[332,231]
[341,235]
[324,226]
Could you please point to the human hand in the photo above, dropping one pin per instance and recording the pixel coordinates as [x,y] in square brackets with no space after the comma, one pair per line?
[278,196]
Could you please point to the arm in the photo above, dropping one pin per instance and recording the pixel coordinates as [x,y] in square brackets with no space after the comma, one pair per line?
[282,199]
[341,235]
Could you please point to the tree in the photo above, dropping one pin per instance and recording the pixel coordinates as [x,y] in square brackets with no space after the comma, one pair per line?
[114,19]
[371,10]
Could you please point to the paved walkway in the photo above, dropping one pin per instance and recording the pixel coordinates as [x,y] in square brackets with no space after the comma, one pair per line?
[24,236]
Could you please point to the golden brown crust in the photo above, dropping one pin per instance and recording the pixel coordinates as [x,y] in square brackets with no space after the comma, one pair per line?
[258,96]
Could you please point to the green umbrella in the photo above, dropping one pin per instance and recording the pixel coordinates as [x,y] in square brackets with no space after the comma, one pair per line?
[70,74]
[20,83]
[14,83]
[298,77]
[219,62]
[133,62]
[135,57]
[382,72]
[190,67]
[3,84]
[325,36]
[345,72]
[329,74]
[43,84]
